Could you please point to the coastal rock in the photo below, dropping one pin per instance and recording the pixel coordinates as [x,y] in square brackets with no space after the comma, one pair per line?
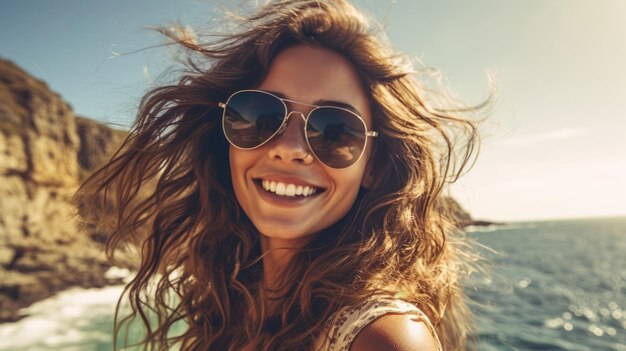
[12,153]
[456,211]
[45,151]
[97,143]
[461,216]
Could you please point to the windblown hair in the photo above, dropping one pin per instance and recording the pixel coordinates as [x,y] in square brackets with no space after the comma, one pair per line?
[171,195]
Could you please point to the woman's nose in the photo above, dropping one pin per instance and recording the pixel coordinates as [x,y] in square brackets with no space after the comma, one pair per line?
[290,144]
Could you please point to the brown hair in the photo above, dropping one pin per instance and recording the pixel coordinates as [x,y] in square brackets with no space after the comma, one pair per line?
[170,191]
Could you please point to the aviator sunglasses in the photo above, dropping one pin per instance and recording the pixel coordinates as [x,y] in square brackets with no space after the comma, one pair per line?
[335,135]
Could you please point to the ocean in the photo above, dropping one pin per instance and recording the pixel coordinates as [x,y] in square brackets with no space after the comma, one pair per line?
[557,285]
[554,285]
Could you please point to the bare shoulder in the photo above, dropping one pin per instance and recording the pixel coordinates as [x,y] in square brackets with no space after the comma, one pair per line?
[395,332]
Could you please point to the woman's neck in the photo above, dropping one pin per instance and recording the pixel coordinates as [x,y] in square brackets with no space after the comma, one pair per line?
[277,255]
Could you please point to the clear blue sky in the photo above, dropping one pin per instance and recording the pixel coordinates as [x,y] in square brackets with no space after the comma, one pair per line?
[554,147]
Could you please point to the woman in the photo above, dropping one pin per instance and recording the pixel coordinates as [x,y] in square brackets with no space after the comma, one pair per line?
[288,193]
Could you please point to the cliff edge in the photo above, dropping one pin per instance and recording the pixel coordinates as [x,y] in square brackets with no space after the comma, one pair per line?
[45,151]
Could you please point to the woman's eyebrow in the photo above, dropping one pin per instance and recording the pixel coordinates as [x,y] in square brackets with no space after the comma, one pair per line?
[338,104]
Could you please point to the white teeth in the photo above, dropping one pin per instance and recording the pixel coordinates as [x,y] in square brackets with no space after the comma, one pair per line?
[284,189]
[291,190]
[308,191]
[280,188]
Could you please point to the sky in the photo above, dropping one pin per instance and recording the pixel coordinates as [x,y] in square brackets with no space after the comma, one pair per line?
[553,148]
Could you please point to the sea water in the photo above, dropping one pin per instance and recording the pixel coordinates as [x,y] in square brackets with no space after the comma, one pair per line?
[557,285]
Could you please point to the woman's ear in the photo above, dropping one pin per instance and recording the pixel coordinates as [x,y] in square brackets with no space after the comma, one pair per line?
[368,176]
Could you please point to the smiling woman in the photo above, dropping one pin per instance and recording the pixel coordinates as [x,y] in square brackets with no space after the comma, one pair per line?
[289,192]
[302,73]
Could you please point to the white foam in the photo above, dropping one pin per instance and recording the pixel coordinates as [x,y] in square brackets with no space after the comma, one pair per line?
[497,227]
[481,229]
[115,273]
[64,321]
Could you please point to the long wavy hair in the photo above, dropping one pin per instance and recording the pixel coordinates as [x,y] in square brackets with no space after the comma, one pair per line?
[168,193]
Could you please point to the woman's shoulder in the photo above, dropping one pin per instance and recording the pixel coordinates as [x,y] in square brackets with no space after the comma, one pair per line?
[381,323]
[396,332]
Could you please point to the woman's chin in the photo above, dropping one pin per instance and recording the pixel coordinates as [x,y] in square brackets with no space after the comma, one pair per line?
[285,237]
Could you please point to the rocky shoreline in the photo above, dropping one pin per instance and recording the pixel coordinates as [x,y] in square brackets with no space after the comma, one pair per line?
[45,152]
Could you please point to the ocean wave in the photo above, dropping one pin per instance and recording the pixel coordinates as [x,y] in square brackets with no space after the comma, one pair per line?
[75,319]
[497,227]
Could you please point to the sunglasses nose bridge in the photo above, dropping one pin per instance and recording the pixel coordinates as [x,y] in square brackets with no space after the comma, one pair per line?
[285,123]
[290,141]
[297,112]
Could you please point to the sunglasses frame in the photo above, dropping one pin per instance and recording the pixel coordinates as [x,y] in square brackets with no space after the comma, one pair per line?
[287,114]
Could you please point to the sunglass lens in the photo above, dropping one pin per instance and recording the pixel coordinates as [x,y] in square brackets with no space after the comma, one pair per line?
[251,118]
[337,137]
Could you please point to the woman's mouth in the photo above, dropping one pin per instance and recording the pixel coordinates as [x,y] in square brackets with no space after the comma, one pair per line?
[286,189]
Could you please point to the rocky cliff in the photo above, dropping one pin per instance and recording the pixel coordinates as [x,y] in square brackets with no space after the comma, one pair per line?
[45,150]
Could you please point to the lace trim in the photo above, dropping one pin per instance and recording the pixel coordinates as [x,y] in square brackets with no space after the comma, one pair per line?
[349,322]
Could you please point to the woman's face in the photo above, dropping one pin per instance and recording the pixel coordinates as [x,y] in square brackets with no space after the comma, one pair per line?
[309,75]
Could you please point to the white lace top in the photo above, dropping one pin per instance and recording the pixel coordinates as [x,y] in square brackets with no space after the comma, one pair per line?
[350,321]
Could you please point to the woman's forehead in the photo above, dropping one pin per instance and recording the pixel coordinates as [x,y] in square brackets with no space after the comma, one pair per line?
[311,74]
